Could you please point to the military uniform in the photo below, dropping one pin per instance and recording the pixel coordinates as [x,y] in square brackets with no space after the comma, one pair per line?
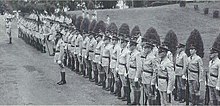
[195,76]
[181,62]
[166,77]
[214,81]
[91,47]
[8,28]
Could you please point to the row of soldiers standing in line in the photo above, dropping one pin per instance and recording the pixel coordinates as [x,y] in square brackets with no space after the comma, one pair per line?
[114,57]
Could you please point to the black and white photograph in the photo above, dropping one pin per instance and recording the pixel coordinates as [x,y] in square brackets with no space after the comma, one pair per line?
[110,52]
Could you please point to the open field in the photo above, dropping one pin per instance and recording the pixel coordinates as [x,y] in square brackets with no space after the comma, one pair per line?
[170,17]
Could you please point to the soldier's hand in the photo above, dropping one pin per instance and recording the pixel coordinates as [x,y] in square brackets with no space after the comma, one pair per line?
[217,88]
[135,79]
[184,77]
[169,92]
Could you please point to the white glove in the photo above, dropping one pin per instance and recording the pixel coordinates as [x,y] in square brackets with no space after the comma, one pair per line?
[125,74]
[135,79]
[169,92]
[184,77]
[59,62]
[217,88]
[99,62]
[156,86]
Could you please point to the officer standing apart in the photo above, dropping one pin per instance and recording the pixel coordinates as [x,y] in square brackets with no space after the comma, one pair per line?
[213,77]
[8,27]
[59,59]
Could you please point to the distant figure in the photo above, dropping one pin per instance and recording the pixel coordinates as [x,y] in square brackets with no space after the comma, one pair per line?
[87,15]
[8,26]
[108,20]
[83,13]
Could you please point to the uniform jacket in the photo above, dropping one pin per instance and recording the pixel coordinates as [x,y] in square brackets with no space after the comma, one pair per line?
[92,45]
[133,63]
[114,55]
[123,61]
[195,69]
[85,47]
[105,54]
[78,44]
[181,63]
[147,70]
[98,47]
[213,73]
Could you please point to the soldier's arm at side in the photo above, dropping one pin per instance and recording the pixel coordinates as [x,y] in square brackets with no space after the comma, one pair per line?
[185,58]
[201,71]
[218,80]
[154,65]
[171,78]
[139,67]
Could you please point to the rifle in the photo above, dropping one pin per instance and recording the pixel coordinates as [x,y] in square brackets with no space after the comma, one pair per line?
[187,87]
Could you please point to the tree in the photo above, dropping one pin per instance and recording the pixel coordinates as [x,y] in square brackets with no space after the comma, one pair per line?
[172,41]
[151,35]
[195,39]
[91,5]
[216,44]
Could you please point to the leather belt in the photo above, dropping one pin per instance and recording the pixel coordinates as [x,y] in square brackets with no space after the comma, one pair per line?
[179,65]
[97,53]
[133,67]
[77,45]
[65,42]
[105,56]
[91,51]
[216,76]
[69,43]
[57,51]
[114,58]
[84,48]
[148,71]
[122,64]
[162,77]
[72,46]
[193,71]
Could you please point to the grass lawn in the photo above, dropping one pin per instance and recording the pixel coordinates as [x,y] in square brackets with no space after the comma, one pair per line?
[170,17]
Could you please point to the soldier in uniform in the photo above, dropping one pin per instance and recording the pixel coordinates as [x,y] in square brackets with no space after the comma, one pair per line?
[134,65]
[105,61]
[78,46]
[114,52]
[8,27]
[85,32]
[181,63]
[123,60]
[165,75]
[195,74]
[213,77]
[99,30]
[59,59]
[91,55]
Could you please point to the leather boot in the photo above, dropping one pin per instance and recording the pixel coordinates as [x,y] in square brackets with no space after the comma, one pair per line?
[63,80]
[135,98]
[119,92]
[10,42]
[138,97]
[125,94]
[183,95]
[103,82]
[146,98]
[109,84]
[112,86]
[60,78]
[116,89]
[96,77]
